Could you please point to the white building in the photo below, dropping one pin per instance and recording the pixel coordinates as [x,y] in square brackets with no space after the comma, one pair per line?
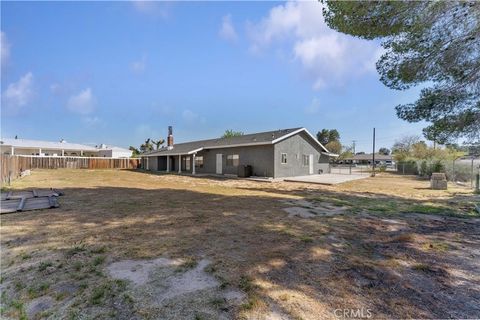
[58,149]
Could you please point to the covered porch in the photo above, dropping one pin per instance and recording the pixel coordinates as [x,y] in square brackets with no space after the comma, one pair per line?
[178,163]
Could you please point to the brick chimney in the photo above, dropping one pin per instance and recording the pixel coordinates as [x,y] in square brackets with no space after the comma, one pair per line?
[170,138]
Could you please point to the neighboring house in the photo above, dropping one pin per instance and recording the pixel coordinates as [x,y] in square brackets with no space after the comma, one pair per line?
[61,148]
[280,153]
[366,159]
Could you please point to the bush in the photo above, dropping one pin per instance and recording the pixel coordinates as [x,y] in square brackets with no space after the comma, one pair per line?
[437,166]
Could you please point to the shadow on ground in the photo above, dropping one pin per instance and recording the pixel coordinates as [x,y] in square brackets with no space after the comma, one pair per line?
[397,265]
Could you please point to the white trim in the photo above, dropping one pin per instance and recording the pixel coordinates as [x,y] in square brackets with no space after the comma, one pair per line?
[330,154]
[298,131]
[195,151]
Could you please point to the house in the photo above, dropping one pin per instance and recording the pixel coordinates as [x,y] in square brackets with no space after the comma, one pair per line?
[276,154]
[367,158]
[60,148]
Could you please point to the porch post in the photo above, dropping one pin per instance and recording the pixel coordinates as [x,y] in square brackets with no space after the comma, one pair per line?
[193,163]
[179,164]
[63,152]
[168,163]
[12,152]
[39,152]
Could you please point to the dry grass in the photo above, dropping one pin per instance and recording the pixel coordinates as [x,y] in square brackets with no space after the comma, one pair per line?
[372,257]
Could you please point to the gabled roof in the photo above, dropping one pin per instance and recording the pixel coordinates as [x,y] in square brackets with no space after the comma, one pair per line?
[260,138]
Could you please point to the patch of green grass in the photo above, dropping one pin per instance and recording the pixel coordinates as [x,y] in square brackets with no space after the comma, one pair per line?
[252,302]
[20,308]
[128,298]
[37,291]
[189,263]
[337,202]
[18,285]
[437,246]
[246,284]
[428,209]
[422,267]
[26,256]
[98,294]
[98,260]
[306,239]
[218,303]
[75,250]
[77,265]
[99,250]
[44,265]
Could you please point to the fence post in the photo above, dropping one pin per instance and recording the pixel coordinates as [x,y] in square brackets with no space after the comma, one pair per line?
[477,183]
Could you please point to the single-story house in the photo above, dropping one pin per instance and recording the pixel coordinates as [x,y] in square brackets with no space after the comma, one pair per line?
[276,154]
[60,148]
[367,159]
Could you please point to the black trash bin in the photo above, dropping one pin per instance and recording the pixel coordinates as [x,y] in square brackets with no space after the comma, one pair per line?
[244,171]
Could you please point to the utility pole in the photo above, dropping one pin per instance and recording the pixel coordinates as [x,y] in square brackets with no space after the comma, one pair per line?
[373,154]
[353,146]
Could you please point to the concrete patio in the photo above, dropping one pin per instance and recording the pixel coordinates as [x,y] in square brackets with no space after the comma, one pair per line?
[327,178]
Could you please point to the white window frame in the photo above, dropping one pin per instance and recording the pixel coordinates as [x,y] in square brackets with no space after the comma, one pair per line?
[307,158]
[231,160]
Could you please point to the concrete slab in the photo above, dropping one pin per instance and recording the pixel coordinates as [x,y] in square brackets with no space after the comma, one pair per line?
[327,178]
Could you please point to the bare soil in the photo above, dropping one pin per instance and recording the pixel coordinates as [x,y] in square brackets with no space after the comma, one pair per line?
[135,245]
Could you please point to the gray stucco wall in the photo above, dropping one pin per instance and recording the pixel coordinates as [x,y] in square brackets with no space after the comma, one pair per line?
[259,157]
[295,147]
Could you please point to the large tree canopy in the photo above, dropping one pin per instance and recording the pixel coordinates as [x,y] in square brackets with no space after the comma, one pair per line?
[433,43]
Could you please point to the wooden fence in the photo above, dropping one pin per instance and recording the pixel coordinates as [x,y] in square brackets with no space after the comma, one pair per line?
[12,166]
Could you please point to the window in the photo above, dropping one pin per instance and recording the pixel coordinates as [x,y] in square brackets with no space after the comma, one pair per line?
[233,160]
[306,160]
[199,162]
[284,158]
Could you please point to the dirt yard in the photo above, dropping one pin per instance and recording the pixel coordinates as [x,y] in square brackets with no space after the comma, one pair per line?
[133,245]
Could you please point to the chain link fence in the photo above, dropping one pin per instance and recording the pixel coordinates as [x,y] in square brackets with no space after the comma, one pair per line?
[462,171]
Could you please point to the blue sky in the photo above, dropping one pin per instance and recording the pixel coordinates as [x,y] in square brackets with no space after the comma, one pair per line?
[119,72]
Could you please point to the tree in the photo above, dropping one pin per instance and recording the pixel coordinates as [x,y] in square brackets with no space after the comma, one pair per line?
[334,146]
[158,143]
[230,133]
[402,147]
[151,145]
[135,151]
[384,151]
[325,136]
[146,146]
[434,43]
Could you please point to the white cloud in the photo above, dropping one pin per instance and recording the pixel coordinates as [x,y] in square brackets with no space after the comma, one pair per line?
[139,65]
[313,107]
[82,103]
[153,8]
[92,121]
[19,93]
[191,117]
[227,30]
[5,48]
[326,56]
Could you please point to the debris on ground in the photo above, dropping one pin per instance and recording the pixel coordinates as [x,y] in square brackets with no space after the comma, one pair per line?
[13,201]
[306,209]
